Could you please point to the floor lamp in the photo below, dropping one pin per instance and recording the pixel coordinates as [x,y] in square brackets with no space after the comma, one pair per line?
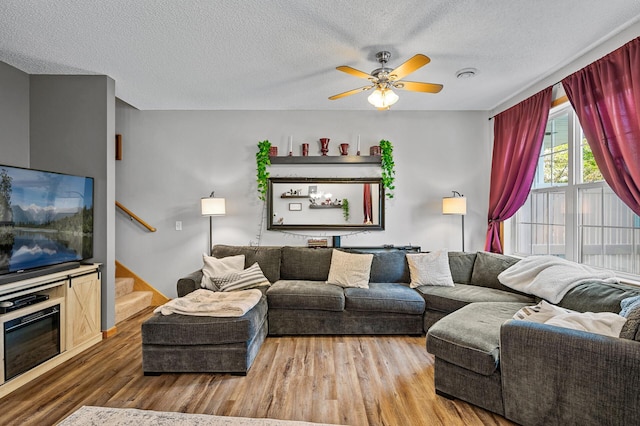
[457,204]
[211,206]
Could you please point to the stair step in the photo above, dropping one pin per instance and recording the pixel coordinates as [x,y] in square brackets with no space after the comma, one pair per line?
[123,286]
[132,303]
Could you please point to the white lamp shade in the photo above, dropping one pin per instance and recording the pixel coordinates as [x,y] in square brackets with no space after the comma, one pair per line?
[382,98]
[454,205]
[213,206]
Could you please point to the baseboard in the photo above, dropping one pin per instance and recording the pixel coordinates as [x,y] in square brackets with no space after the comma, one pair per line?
[110,332]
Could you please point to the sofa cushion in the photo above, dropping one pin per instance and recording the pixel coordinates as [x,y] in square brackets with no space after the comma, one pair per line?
[449,299]
[597,297]
[384,297]
[303,263]
[267,257]
[488,266]
[631,311]
[388,265]
[299,294]
[350,269]
[461,266]
[470,336]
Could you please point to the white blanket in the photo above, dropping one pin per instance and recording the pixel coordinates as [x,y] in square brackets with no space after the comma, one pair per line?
[203,302]
[606,323]
[551,277]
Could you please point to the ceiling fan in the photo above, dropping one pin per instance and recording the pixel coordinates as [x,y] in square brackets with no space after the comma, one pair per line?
[384,79]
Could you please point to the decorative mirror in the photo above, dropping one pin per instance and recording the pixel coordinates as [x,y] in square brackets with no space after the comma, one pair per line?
[326,203]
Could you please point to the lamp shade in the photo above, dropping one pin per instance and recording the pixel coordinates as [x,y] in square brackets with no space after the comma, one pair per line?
[454,205]
[213,206]
[382,98]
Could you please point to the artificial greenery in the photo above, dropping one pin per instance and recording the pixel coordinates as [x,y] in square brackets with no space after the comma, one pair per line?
[262,175]
[345,209]
[387,165]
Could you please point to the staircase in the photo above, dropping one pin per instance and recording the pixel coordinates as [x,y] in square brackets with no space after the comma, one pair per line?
[128,301]
[133,294]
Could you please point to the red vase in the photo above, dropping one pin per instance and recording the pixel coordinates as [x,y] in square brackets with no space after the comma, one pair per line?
[344,149]
[305,149]
[324,145]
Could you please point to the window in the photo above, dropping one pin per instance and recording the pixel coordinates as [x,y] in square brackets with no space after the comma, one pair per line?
[571,212]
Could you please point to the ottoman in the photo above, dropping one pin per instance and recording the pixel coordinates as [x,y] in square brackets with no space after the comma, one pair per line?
[202,344]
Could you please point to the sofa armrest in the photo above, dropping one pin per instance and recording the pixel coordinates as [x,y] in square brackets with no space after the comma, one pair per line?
[557,376]
[189,283]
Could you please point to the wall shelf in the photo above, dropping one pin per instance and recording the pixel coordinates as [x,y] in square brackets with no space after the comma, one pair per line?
[326,206]
[293,196]
[327,159]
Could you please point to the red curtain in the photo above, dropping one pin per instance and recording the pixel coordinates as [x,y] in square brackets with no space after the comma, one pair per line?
[367,204]
[606,98]
[518,134]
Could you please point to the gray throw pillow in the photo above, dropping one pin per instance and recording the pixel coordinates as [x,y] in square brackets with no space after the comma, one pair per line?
[631,311]
[488,266]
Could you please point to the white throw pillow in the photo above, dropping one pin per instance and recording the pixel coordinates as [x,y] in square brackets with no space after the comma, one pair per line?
[214,267]
[350,269]
[242,280]
[430,269]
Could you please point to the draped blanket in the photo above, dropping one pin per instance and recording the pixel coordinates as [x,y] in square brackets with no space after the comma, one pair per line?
[203,302]
[550,277]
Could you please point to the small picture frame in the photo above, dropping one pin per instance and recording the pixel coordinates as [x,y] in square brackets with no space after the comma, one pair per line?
[295,207]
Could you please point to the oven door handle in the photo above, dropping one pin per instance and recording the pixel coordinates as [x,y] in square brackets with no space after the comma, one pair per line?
[31,319]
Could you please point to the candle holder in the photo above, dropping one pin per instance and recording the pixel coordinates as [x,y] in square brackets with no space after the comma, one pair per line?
[324,145]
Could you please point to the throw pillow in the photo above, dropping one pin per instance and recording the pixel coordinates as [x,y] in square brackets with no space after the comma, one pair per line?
[214,266]
[430,269]
[350,269]
[249,278]
[631,311]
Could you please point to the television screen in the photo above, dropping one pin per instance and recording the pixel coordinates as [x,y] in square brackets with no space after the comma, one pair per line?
[46,219]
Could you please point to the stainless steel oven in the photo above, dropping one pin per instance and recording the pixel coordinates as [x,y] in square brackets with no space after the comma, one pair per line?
[31,337]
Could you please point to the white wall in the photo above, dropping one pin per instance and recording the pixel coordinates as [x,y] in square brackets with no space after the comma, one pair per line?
[173,158]
[14,116]
[72,128]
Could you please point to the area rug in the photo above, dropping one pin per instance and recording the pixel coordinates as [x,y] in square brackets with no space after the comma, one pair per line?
[104,416]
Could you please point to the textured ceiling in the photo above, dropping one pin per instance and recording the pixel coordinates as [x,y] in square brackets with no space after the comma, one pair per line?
[282,54]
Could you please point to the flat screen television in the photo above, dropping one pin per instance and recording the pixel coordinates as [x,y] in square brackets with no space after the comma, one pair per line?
[46,221]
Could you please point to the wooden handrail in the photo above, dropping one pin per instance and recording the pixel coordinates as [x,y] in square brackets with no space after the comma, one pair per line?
[135,217]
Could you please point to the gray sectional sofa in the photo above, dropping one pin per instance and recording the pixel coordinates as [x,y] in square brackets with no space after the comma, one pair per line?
[530,373]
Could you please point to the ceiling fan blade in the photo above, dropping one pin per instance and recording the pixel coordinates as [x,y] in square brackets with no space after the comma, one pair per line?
[354,72]
[409,66]
[415,86]
[349,93]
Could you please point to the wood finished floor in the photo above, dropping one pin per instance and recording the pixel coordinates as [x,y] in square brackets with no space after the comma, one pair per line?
[361,380]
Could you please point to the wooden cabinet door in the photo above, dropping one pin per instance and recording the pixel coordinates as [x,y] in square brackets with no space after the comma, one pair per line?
[83,309]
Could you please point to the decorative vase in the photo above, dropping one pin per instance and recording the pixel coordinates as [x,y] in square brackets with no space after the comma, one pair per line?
[344,148]
[273,151]
[324,145]
[305,149]
[374,150]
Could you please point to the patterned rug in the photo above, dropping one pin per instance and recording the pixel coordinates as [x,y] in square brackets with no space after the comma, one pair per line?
[104,416]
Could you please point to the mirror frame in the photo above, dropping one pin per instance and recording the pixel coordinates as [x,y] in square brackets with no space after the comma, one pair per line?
[320,226]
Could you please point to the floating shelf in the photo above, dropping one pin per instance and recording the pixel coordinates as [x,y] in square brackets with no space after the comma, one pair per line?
[294,196]
[327,159]
[329,206]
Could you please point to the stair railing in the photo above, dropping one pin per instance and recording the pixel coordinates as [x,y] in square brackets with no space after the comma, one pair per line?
[135,217]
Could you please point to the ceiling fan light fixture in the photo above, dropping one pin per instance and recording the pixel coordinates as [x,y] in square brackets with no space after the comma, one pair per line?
[383,98]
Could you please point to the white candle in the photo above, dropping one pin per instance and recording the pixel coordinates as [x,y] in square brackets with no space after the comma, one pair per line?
[358,143]
[290,144]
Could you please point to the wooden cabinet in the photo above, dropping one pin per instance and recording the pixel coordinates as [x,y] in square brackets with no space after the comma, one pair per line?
[77,294]
[83,309]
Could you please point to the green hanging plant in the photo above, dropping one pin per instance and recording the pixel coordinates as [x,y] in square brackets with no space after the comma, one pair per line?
[387,165]
[345,209]
[262,175]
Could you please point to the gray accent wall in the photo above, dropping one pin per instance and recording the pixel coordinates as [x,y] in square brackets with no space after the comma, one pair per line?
[72,130]
[14,116]
[173,158]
